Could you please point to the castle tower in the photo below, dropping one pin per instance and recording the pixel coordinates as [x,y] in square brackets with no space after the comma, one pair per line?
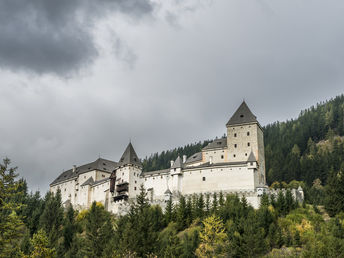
[245,135]
[127,175]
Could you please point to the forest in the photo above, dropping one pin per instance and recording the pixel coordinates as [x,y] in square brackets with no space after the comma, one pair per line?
[307,152]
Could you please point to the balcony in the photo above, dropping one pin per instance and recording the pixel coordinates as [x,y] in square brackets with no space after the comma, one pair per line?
[120,198]
[123,187]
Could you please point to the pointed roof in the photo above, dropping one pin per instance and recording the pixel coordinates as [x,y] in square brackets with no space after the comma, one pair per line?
[89,181]
[177,163]
[168,192]
[251,158]
[100,164]
[129,157]
[242,115]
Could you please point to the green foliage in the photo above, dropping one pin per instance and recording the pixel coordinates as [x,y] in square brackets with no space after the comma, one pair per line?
[10,223]
[40,243]
[51,219]
[99,230]
[334,202]
[212,238]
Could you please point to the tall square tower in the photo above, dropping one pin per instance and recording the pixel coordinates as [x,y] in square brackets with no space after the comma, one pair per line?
[245,135]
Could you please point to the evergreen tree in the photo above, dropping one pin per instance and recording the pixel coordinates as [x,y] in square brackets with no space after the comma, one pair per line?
[10,222]
[99,230]
[41,246]
[51,219]
[334,201]
[181,213]
[215,203]
[212,237]
[169,211]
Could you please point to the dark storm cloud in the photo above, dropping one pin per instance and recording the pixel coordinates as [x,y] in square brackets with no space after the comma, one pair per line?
[193,67]
[55,36]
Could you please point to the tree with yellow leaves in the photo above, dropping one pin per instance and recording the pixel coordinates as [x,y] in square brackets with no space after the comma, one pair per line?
[213,238]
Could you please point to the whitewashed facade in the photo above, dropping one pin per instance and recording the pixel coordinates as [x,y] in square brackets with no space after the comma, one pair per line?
[234,164]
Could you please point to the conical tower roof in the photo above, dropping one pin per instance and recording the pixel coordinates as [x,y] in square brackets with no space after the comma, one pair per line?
[242,115]
[177,163]
[129,157]
[251,158]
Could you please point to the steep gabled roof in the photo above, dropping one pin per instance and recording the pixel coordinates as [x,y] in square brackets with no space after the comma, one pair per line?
[100,164]
[251,158]
[177,163]
[129,157]
[89,181]
[218,143]
[195,157]
[242,115]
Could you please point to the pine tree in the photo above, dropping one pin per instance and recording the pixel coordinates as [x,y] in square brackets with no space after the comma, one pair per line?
[334,201]
[169,211]
[200,207]
[51,219]
[99,230]
[10,223]
[213,238]
[181,213]
[41,247]
[215,203]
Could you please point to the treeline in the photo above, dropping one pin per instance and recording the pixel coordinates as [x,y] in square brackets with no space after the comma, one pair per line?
[209,225]
[162,160]
[308,147]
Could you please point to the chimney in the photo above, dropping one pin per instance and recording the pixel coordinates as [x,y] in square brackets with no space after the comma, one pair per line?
[74,168]
[210,160]
[184,158]
[172,162]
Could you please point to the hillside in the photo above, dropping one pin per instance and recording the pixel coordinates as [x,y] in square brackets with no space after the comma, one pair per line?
[294,149]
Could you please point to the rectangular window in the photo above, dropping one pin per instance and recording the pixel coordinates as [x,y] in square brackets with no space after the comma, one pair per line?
[248,144]
[235,145]
[248,133]
[203,178]
[234,155]
[235,135]
[221,156]
[135,188]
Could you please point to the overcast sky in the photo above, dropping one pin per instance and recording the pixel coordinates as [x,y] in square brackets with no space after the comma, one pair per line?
[79,78]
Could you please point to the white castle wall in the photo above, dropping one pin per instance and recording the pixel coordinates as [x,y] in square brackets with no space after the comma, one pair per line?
[225,178]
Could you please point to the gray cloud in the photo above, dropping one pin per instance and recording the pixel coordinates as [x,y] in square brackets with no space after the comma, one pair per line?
[281,56]
[48,36]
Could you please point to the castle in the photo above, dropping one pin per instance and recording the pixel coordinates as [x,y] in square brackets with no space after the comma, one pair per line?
[233,164]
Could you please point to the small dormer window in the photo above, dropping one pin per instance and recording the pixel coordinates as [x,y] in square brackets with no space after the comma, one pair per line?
[251,163]
[241,116]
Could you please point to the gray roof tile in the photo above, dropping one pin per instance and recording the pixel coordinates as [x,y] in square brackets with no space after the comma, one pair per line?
[177,163]
[195,157]
[100,164]
[218,143]
[251,158]
[129,157]
[89,181]
[242,115]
